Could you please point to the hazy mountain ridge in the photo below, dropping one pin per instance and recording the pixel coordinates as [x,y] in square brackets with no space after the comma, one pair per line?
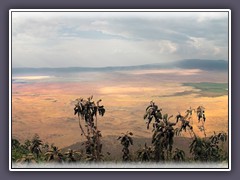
[217,65]
[220,65]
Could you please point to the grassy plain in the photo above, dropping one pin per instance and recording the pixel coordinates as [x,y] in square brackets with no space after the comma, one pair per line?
[46,107]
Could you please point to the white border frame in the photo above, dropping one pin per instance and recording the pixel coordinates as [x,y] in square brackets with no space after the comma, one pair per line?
[119,10]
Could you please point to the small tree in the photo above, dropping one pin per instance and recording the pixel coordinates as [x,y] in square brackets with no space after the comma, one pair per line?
[18,150]
[36,144]
[145,154]
[162,140]
[72,156]
[54,155]
[178,155]
[184,124]
[126,141]
[88,110]
[163,132]
[152,111]
[29,158]
[207,149]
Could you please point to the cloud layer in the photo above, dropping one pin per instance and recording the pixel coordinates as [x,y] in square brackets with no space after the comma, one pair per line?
[96,39]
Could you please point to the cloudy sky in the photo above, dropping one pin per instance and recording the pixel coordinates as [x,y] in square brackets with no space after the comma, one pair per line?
[96,39]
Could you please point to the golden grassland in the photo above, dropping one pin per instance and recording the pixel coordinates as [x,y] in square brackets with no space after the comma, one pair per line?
[46,108]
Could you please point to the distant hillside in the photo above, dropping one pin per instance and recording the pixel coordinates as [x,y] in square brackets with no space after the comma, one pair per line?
[219,65]
[87,69]
[113,146]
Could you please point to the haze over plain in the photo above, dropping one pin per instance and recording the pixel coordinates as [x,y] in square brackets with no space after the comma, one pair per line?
[127,59]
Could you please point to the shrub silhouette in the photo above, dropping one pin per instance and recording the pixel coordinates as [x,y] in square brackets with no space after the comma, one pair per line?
[54,155]
[207,149]
[178,155]
[126,140]
[145,154]
[88,110]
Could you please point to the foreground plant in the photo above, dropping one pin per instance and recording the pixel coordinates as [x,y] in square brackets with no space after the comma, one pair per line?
[88,111]
[163,132]
[29,151]
[145,154]
[162,140]
[29,158]
[185,124]
[35,146]
[152,111]
[178,155]
[54,155]
[72,156]
[126,140]
[207,149]
[18,150]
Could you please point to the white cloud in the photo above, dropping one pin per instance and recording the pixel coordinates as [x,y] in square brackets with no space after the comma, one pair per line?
[209,16]
[107,39]
[167,46]
[99,23]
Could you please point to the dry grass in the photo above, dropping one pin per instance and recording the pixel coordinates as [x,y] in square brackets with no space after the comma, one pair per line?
[46,108]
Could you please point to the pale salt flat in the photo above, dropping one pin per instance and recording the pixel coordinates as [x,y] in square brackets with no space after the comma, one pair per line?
[31,77]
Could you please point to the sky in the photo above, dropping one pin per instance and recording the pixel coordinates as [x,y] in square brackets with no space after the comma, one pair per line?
[99,39]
